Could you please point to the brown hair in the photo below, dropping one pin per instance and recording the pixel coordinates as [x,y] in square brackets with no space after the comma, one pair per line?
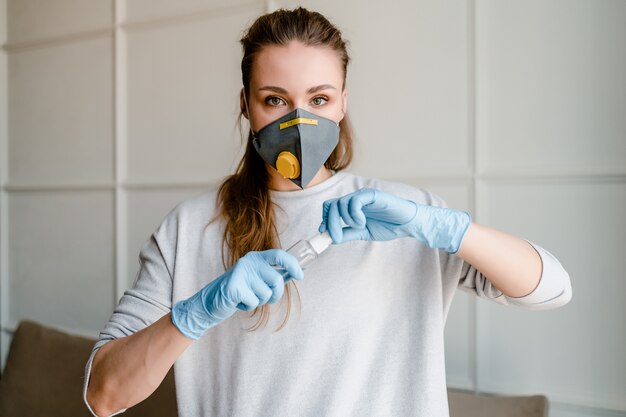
[244,199]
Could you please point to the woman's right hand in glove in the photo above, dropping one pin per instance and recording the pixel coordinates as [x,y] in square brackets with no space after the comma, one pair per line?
[251,282]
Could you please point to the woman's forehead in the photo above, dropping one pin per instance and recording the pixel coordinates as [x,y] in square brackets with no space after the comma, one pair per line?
[296,66]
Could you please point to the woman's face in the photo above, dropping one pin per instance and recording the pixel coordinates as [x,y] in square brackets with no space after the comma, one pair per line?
[295,76]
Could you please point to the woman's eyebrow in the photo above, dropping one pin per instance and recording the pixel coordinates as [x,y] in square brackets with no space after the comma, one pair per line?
[274,89]
[320,87]
[311,90]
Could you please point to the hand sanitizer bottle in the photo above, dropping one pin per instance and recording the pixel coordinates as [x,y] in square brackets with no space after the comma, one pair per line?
[307,251]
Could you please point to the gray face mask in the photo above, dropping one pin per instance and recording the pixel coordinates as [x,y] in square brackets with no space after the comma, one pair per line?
[297,144]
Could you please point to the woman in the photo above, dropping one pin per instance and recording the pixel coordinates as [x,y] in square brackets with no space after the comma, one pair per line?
[368,337]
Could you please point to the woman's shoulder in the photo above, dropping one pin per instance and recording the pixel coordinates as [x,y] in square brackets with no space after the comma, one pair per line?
[204,201]
[401,189]
[195,209]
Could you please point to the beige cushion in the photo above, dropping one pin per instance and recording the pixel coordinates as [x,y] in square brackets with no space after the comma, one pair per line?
[44,375]
[470,405]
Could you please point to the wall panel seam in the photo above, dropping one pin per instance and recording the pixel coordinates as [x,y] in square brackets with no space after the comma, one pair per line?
[169,186]
[148,23]
[473,145]
[4,159]
[552,179]
[574,399]
[120,239]
[587,410]
[500,179]
[42,43]
[57,187]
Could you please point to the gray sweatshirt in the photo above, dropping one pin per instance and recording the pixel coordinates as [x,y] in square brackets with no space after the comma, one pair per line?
[365,338]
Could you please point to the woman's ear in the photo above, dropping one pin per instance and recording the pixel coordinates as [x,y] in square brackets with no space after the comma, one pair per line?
[344,97]
[242,104]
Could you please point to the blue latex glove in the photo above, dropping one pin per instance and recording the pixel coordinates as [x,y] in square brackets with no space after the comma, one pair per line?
[375,215]
[251,282]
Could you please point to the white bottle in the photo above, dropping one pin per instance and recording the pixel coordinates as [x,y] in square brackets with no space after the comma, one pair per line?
[307,251]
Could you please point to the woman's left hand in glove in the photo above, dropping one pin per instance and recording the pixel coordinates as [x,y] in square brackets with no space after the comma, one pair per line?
[372,214]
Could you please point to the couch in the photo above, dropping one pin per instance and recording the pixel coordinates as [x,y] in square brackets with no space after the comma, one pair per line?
[44,372]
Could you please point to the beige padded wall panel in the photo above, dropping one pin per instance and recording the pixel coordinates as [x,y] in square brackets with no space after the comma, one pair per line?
[183,99]
[32,20]
[60,113]
[552,85]
[61,252]
[575,353]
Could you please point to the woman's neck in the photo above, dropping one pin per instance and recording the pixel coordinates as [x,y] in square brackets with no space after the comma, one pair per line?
[278,183]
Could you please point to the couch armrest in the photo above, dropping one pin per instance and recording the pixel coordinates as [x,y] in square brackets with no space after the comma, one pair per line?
[44,376]
[464,404]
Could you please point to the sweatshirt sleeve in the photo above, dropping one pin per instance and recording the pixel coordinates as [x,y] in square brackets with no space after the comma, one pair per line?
[554,288]
[148,300]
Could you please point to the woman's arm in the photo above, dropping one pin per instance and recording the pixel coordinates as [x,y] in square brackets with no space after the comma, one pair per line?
[528,275]
[511,264]
[126,371]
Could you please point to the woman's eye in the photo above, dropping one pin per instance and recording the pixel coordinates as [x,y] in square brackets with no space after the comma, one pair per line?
[274,101]
[318,101]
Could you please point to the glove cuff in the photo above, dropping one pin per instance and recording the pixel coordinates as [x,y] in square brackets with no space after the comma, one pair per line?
[463,219]
[440,227]
[188,320]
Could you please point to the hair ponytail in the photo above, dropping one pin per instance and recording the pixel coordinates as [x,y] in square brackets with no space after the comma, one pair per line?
[244,200]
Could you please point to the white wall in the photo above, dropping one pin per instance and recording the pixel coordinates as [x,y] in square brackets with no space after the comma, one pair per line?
[511,109]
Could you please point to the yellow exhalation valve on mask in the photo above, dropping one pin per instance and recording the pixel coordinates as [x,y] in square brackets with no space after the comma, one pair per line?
[287,165]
